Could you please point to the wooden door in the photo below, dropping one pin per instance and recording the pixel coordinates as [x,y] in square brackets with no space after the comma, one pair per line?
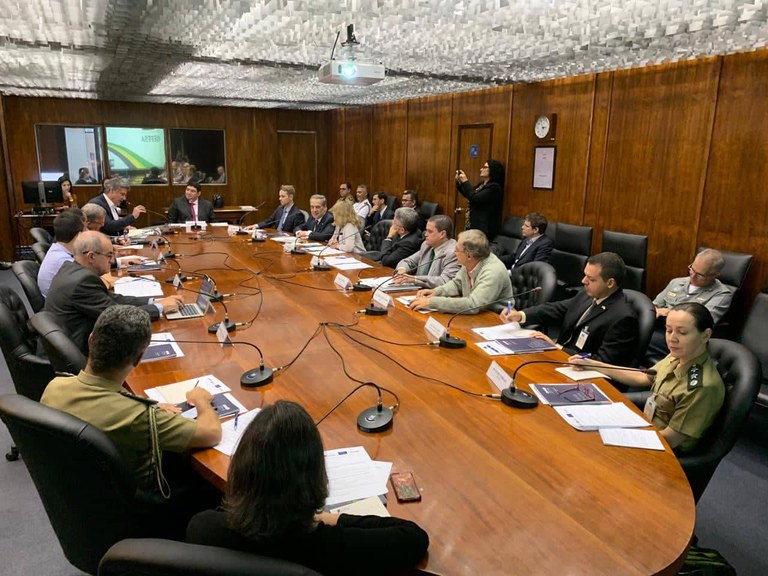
[297,164]
[472,150]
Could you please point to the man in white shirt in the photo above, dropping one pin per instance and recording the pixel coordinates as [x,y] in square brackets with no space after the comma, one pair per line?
[115,193]
[363,205]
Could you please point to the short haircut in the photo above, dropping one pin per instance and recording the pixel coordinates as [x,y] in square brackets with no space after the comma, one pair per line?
[119,337]
[414,196]
[289,189]
[114,184]
[83,171]
[363,186]
[195,185]
[67,225]
[347,184]
[277,479]
[320,197]
[94,213]
[611,266]
[443,223]
[702,317]
[381,196]
[408,218]
[88,241]
[716,260]
[537,220]
[475,244]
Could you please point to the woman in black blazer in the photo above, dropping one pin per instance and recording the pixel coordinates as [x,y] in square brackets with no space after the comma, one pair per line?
[485,199]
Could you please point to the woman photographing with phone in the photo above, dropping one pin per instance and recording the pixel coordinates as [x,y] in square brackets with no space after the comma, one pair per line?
[687,391]
[276,489]
[485,199]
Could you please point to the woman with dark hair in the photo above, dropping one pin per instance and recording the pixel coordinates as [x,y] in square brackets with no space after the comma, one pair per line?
[276,486]
[67,194]
[686,389]
[485,199]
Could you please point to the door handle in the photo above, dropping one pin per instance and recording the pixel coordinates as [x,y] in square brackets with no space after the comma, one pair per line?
[458,210]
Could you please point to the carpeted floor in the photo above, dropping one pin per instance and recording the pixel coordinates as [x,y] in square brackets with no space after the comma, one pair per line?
[731,516]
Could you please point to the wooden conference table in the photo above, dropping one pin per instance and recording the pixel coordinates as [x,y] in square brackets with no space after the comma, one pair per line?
[504,491]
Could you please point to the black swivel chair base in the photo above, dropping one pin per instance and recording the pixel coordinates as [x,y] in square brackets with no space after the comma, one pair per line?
[13,455]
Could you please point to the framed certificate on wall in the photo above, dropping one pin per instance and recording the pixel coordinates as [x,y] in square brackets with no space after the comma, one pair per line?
[544,167]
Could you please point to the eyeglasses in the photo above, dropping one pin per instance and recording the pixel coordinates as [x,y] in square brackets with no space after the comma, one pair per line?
[578,394]
[696,274]
[109,255]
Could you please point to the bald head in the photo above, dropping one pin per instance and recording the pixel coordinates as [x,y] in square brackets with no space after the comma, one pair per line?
[94,251]
[706,267]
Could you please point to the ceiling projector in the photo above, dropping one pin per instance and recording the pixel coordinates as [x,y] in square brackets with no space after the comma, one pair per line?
[349,70]
[351,73]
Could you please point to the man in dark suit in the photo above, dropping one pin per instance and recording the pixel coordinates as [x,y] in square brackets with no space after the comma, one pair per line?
[287,217]
[404,237]
[191,207]
[410,199]
[77,295]
[115,193]
[535,247]
[319,228]
[379,210]
[598,321]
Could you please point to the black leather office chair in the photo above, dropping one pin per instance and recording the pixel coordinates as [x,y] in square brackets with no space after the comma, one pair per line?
[87,490]
[306,215]
[646,317]
[63,354]
[754,335]
[633,249]
[733,274]
[429,209]
[155,557]
[508,239]
[26,273]
[374,241]
[572,247]
[391,201]
[41,235]
[40,249]
[527,277]
[30,373]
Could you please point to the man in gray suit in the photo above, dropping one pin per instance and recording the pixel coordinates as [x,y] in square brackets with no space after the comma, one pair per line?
[435,263]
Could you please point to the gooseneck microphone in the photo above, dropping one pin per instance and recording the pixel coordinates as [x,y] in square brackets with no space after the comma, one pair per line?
[165,217]
[359,286]
[372,309]
[448,341]
[252,378]
[377,418]
[245,215]
[321,266]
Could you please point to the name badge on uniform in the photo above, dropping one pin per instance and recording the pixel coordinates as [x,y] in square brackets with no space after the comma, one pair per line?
[694,377]
[582,339]
[650,407]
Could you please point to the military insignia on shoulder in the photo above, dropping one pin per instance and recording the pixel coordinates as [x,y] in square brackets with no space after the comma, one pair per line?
[141,399]
[694,377]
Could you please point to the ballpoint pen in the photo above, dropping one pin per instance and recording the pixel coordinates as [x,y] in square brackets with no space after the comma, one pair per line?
[584,356]
[509,307]
[236,418]
[196,383]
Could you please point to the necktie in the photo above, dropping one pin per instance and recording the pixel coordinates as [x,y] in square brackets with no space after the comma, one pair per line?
[430,261]
[586,312]
[282,220]
[192,211]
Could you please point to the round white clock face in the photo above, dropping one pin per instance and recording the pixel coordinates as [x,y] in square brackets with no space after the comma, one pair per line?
[541,128]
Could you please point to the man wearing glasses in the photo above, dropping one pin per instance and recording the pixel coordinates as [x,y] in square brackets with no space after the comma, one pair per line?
[701,285]
[77,295]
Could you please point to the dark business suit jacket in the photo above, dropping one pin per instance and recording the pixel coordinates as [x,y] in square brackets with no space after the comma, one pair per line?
[613,326]
[179,212]
[484,206]
[292,222]
[540,251]
[320,231]
[111,226]
[77,296]
[392,251]
[376,217]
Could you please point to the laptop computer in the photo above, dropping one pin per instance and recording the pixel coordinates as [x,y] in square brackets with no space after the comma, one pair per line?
[199,307]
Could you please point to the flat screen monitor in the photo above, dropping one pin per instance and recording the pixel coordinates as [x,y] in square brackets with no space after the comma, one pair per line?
[42,193]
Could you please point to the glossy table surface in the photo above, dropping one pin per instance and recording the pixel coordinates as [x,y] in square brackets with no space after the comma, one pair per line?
[504,491]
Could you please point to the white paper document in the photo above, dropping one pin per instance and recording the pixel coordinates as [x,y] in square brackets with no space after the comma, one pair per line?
[406,301]
[367,507]
[631,438]
[616,415]
[139,286]
[511,330]
[317,248]
[346,263]
[352,475]
[232,430]
[579,375]
[177,392]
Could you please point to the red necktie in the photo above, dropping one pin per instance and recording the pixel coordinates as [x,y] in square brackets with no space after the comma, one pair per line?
[192,211]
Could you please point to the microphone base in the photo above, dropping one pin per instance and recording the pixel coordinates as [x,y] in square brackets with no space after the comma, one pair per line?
[298,251]
[452,342]
[242,233]
[216,297]
[213,328]
[196,227]
[258,240]
[260,376]
[181,279]
[321,267]
[169,256]
[518,398]
[372,421]
[372,310]
[361,288]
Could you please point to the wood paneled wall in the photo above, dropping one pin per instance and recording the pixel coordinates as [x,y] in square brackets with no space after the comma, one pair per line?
[252,148]
[677,152]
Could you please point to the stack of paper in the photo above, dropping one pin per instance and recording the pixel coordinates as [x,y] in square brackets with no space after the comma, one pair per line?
[616,415]
[161,347]
[318,248]
[177,392]
[139,286]
[345,262]
[511,330]
[647,439]
[352,475]
[232,431]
